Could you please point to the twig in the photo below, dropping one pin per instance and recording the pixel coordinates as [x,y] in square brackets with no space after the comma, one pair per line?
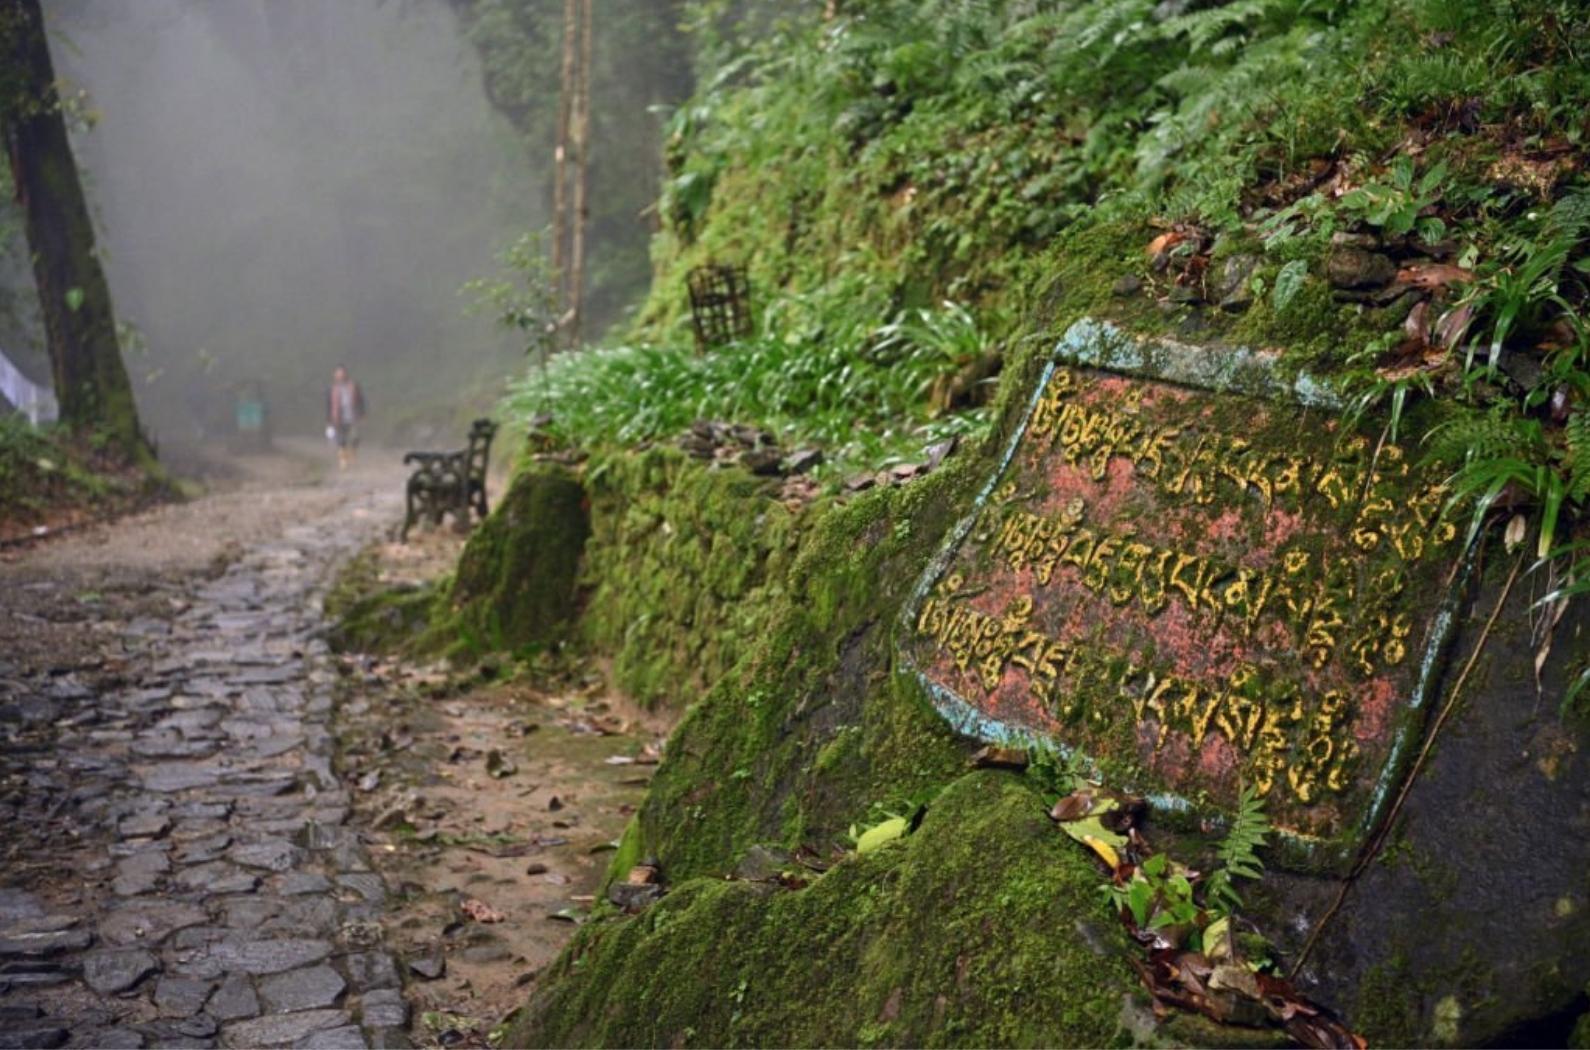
[1378,840]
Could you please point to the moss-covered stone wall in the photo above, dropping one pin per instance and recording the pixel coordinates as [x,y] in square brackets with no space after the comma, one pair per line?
[683,565]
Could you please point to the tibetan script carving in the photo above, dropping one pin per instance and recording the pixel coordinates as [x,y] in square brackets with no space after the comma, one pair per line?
[1197,592]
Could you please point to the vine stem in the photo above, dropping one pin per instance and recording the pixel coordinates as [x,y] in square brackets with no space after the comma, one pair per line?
[1372,850]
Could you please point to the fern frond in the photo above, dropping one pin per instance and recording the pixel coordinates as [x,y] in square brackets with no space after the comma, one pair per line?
[1239,852]
[1576,434]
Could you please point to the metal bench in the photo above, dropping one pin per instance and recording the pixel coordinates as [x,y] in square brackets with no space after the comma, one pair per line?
[449,482]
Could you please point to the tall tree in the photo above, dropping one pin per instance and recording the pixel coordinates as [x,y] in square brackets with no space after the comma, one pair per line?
[91,382]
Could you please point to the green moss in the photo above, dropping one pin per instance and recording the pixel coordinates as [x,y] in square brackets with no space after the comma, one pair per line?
[517,579]
[966,932]
[1385,1013]
[682,569]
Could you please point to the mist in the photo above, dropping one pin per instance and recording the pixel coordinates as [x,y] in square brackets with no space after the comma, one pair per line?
[283,185]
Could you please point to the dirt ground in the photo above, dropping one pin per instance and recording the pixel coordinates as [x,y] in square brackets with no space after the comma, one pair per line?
[492,809]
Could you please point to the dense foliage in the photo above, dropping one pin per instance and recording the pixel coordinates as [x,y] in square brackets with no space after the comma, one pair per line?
[1207,169]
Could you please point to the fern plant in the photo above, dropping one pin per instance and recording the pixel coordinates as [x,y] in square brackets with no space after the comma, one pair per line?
[1239,853]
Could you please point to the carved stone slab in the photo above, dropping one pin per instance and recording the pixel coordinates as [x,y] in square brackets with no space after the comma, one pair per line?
[1196,590]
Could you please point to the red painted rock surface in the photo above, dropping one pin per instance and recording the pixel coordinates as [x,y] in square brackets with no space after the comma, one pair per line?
[1199,591]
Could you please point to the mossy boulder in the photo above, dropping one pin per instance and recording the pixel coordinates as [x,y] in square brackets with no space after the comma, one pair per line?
[980,928]
[517,581]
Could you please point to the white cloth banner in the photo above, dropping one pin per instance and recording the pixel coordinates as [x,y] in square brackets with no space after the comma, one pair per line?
[34,401]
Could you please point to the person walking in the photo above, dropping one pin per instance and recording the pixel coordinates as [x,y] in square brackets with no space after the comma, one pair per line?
[344,410]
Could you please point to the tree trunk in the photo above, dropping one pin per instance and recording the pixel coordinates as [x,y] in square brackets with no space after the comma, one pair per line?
[560,156]
[582,210]
[91,382]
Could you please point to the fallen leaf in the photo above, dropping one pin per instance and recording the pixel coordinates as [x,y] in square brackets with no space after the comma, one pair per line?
[1431,276]
[1164,243]
[1517,526]
[1074,806]
[1093,827]
[1105,851]
[992,757]
[881,835]
[480,911]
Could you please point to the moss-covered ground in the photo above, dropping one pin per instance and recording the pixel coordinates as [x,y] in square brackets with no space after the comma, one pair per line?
[980,928]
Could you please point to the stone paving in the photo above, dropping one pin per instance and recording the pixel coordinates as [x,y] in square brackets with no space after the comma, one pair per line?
[180,870]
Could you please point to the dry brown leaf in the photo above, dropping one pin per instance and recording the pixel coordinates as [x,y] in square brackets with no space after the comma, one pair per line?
[1431,276]
[480,911]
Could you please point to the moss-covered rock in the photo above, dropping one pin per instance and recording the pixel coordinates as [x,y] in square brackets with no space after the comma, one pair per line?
[517,578]
[981,928]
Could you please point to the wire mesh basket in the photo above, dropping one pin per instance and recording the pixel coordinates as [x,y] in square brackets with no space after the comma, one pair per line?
[720,304]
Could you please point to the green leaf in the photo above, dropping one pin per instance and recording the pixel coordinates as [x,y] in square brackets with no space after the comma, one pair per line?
[1092,827]
[1138,897]
[74,299]
[1288,282]
[881,835]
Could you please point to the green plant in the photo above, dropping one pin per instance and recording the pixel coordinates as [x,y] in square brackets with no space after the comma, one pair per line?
[524,298]
[1239,853]
[1397,205]
[1160,894]
[826,368]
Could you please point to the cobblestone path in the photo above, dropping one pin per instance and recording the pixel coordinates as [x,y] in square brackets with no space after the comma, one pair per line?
[176,865]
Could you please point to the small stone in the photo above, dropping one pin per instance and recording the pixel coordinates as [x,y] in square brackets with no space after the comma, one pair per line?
[860,482]
[1128,285]
[306,989]
[249,913]
[266,957]
[234,1000]
[218,877]
[383,1008]
[372,970]
[144,825]
[40,1037]
[140,873]
[181,996]
[297,882]
[282,1029]
[270,854]
[1355,268]
[203,850]
[761,862]
[633,898]
[42,944]
[367,885]
[766,461]
[348,1037]
[428,967]
[181,776]
[109,972]
[118,1039]
[803,460]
